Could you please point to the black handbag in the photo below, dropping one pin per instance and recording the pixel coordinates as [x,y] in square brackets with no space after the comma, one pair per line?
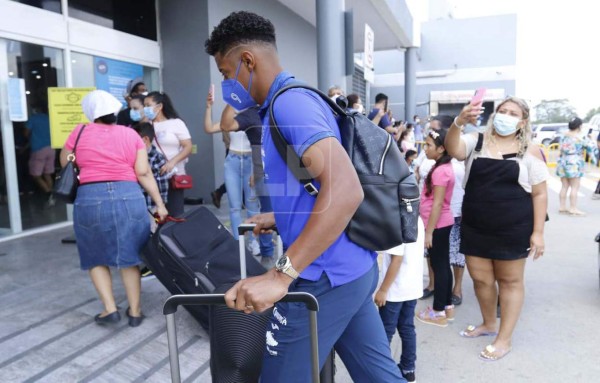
[67,180]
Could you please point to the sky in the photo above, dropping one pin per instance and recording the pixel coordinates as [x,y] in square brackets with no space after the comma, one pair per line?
[558,55]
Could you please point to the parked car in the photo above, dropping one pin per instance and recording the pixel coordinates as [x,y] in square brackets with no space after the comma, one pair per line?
[587,129]
[544,133]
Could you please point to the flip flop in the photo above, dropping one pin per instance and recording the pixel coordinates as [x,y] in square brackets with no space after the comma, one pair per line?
[565,211]
[426,294]
[469,332]
[577,213]
[493,354]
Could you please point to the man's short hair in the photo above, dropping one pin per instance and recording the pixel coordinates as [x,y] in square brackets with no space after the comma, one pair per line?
[445,120]
[380,97]
[240,28]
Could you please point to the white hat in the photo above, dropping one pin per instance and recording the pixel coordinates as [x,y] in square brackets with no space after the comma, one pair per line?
[99,103]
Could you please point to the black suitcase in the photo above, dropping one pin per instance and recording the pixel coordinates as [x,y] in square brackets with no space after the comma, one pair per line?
[170,307]
[195,256]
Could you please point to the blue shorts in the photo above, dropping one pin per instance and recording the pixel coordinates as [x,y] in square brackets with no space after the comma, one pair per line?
[111,224]
[347,321]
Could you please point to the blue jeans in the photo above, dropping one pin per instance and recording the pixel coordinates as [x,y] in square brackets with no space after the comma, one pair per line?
[266,240]
[400,316]
[238,169]
[347,321]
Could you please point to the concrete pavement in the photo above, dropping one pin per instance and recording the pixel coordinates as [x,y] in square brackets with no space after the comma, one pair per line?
[47,332]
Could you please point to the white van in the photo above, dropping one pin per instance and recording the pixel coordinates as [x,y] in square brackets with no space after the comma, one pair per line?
[545,133]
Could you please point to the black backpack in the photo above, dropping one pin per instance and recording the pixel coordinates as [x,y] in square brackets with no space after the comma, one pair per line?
[388,214]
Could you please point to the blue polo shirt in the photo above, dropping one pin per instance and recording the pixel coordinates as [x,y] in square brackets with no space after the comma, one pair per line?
[39,124]
[304,118]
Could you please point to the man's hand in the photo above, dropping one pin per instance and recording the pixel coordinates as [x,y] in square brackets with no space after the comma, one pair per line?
[264,223]
[258,293]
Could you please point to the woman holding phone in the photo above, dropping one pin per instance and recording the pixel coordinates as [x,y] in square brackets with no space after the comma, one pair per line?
[504,210]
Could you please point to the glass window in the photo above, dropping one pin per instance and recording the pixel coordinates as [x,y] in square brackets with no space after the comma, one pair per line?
[110,75]
[49,5]
[135,17]
[39,67]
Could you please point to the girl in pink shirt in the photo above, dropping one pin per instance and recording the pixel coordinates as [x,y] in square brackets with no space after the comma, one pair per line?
[438,219]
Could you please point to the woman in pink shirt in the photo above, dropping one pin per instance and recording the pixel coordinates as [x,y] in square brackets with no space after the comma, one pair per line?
[110,219]
[438,219]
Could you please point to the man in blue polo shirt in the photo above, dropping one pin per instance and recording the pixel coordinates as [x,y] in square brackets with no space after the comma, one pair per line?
[319,257]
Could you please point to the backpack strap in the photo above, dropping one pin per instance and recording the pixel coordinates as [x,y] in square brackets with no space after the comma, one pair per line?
[289,155]
[472,157]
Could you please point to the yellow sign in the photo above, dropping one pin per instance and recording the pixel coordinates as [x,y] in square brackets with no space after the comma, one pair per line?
[64,106]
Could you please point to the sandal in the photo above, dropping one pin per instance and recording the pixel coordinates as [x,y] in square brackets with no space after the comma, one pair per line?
[470,332]
[563,211]
[426,293]
[576,213]
[492,354]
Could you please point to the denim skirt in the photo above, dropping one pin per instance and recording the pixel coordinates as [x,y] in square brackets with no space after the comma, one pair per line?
[111,224]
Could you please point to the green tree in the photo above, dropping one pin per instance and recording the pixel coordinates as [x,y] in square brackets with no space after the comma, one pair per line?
[549,111]
[591,114]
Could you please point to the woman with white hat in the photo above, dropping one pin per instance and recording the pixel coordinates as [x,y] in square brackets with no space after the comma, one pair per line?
[110,218]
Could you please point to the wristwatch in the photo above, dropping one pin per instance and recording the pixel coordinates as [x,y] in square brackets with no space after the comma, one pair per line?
[284,265]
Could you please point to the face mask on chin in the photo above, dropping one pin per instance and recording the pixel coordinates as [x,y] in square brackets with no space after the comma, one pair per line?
[235,94]
[505,125]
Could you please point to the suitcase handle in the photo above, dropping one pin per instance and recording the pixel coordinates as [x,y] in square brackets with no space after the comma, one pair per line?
[246,227]
[174,301]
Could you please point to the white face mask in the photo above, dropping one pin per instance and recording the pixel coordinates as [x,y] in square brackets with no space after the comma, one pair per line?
[360,108]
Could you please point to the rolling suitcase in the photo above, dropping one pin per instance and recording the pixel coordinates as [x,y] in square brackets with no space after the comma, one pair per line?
[237,340]
[195,256]
[173,302]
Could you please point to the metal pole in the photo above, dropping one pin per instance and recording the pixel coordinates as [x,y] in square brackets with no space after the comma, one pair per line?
[331,61]
[314,345]
[173,349]
[410,83]
[242,242]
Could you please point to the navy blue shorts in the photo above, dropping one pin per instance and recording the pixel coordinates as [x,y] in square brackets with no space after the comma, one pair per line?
[111,224]
[347,320]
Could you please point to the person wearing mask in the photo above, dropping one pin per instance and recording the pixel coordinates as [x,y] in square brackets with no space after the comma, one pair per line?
[437,218]
[319,258]
[571,165]
[410,156]
[173,140]
[334,92]
[379,116]
[135,87]
[239,170]
[504,210]
[355,103]
[109,214]
[136,110]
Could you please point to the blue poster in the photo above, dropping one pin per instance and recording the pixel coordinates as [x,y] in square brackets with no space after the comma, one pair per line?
[113,75]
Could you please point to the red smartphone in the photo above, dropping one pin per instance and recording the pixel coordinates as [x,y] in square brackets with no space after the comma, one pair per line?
[478,97]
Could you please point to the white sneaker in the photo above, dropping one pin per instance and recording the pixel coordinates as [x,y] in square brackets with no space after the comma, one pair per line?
[254,247]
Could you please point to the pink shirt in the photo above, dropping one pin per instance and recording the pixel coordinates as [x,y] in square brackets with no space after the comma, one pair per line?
[443,175]
[105,152]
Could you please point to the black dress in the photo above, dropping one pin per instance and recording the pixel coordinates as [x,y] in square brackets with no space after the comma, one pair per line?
[497,220]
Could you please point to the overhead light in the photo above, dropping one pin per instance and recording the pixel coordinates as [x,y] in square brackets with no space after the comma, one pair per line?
[34,72]
[27,92]
[73,61]
[44,65]
[11,73]
[38,77]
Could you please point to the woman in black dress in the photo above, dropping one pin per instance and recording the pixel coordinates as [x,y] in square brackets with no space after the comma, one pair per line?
[504,211]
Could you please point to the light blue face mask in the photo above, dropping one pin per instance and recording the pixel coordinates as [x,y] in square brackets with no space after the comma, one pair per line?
[505,125]
[149,112]
[135,115]
[234,93]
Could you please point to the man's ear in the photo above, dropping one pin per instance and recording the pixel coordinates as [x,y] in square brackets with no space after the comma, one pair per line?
[249,60]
